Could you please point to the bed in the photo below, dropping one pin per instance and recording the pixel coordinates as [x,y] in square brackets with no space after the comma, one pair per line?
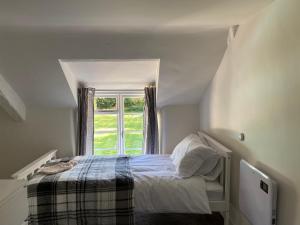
[156,187]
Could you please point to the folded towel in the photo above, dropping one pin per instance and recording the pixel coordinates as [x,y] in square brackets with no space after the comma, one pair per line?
[58,167]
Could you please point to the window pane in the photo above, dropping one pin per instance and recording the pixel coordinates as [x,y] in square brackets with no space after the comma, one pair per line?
[107,128]
[134,152]
[106,144]
[105,104]
[133,121]
[134,143]
[105,122]
[133,104]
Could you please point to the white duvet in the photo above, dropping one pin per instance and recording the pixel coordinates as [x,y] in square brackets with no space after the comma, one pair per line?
[157,188]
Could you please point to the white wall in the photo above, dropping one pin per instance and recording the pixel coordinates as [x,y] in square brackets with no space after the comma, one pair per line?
[11,102]
[43,130]
[176,122]
[256,91]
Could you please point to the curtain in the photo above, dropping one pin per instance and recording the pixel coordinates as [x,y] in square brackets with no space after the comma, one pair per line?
[86,121]
[151,127]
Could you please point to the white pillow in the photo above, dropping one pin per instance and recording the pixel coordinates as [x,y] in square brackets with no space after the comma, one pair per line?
[202,138]
[182,146]
[190,156]
[209,164]
[215,172]
[192,160]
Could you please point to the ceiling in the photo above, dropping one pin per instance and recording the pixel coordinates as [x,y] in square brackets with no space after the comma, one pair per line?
[30,62]
[188,37]
[126,15]
[112,74]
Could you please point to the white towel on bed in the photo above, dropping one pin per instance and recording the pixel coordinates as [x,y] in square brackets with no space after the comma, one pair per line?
[57,167]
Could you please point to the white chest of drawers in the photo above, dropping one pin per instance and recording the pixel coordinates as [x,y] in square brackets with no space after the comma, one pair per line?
[13,202]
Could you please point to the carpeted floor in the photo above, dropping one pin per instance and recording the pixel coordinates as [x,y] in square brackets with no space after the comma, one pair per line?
[178,219]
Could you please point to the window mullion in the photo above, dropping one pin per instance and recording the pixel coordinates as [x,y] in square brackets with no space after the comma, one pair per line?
[121,123]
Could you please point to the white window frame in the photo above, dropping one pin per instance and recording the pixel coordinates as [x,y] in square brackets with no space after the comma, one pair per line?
[120,96]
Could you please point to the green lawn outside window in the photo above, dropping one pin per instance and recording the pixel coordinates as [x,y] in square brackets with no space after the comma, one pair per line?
[108,142]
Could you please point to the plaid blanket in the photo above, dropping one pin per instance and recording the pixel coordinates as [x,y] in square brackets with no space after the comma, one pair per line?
[97,191]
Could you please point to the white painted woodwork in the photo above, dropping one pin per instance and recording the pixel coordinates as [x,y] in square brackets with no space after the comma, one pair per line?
[11,102]
[31,168]
[222,206]
[13,202]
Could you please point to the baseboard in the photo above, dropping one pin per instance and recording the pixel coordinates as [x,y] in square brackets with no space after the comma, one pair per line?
[236,217]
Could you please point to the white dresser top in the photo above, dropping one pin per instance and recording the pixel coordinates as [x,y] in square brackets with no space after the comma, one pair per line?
[8,188]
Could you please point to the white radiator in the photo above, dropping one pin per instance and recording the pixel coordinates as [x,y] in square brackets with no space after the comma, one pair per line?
[258,195]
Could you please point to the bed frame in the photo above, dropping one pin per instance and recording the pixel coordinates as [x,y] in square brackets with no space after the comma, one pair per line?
[216,206]
[28,171]
[224,179]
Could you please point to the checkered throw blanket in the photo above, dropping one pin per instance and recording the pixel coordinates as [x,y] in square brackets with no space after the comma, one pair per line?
[97,191]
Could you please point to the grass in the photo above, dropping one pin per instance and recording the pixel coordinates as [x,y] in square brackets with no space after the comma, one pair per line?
[110,122]
[108,142]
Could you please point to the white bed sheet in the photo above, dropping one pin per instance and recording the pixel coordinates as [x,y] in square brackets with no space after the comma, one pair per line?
[214,191]
[158,189]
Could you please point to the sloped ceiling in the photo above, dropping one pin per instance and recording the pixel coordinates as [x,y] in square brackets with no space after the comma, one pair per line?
[126,15]
[187,62]
[188,37]
[112,74]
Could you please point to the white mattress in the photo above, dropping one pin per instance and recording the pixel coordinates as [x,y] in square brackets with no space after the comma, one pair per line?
[158,189]
[214,191]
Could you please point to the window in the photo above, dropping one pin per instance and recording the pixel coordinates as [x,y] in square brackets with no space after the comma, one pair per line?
[119,123]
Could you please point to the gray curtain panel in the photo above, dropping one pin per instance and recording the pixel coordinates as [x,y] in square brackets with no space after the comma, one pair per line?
[86,121]
[151,127]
